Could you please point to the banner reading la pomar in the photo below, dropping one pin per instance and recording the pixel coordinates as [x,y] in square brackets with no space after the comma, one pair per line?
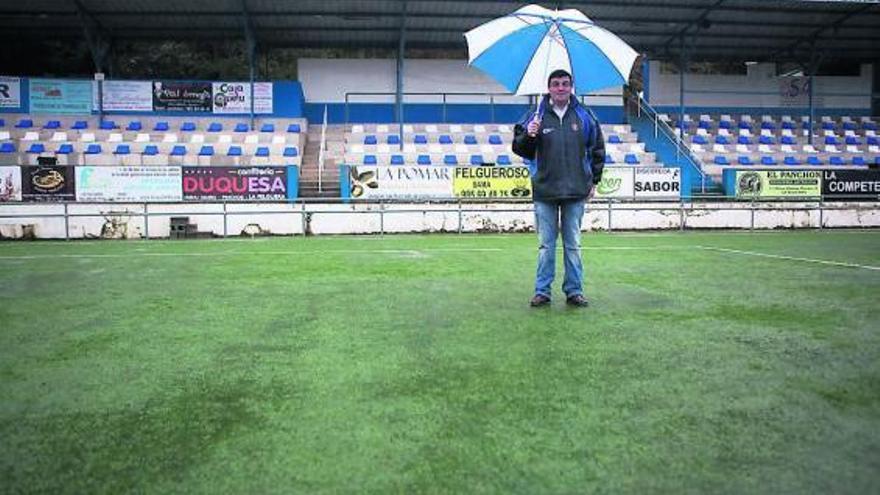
[491,182]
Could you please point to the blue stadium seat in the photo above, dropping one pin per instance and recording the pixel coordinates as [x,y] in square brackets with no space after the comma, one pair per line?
[392,139]
[503,160]
[215,127]
[768,160]
[267,128]
[7,148]
[52,124]
[873,141]
[609,158]
[869,126]
[2,123]
[370,139]
[445,139]
[476,159]
[151,150]
[188,127]
[93,149]
[805,125]
[877,160]
[831,140]
[788,140]
[827,126]
[724,124]
[849,126]
[721,160]
[858,160]
[37,148]
[788,125]
[743,140]
[206,150]
[450,160]
[161,126]
[705,124]
[397,159]
[700,139]
[178,150]
[685,126]
[24,124]
[814,160]
[768,125]
[614,139]
[836,160]
[719,139]
[234,151]
[744,125]
[790,160]
[122,149]
[80,125]
[766,140]
[64,149]
[631,159]
[370,160]
[134,125]
[262,151]
[291,151]
[852,140]
[108,125]
[241,127]
[423,160]
[420,139]
[470,139]
[744,160]
[294,129]
[495,139]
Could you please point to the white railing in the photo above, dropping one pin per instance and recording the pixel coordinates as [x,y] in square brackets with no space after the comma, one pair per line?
[321,150]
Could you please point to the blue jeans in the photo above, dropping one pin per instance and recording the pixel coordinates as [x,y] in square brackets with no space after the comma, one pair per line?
[549,217]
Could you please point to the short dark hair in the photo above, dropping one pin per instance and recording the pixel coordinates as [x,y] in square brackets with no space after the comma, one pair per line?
[557,74]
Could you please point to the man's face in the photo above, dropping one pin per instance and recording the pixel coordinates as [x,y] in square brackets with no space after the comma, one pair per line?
[560,90]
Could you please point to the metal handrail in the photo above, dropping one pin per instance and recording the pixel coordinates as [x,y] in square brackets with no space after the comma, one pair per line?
[322,148]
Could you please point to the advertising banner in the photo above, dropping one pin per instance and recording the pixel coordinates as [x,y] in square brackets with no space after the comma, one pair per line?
[234,183]
[617,182]
[10,92]
[48,183]
[491,182]
[851,184]
[778,183]
[235,97]
[657,182]
[10,184]
[401,182]
[150,183]
[174,96]
[124,96]
[60,96]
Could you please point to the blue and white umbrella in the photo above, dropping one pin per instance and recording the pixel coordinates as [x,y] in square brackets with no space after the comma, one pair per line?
[521,49]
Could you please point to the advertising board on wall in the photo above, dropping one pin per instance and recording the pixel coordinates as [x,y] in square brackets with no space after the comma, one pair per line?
[182,96]
[234,183]
[60,96]
[10,92]
[851,184]
[779,184]
[124,96]
[235,97]
[48,183]
[137,184]
[10,184]
[491,182]
[657,182]
[401,182]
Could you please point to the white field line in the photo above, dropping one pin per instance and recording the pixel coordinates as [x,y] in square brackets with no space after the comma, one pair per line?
[789,258]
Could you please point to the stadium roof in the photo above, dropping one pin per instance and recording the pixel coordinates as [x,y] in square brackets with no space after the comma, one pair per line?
[713,29]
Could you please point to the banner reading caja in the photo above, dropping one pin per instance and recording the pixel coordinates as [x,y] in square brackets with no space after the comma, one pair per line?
[778,183]
[491,182]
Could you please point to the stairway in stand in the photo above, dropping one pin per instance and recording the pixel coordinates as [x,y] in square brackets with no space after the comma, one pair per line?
[308,175]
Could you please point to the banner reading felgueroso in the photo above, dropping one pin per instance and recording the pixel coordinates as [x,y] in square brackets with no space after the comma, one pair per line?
[48,183]
[10,184]
[491,182]
[851,184]
[778,183]
[180,96]
[60,96]
[10,92]
[234,183]
[235,97]
[401,182]
[135,184]
[123,96]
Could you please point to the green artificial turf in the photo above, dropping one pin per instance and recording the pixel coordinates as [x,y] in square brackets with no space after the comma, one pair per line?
[413,364]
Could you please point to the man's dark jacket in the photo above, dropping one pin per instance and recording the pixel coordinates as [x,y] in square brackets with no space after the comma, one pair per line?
[566,158]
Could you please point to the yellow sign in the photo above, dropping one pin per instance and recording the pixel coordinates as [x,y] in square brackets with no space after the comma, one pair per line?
[492,182]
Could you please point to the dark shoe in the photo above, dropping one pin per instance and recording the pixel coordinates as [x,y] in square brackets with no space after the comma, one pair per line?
[577,300]
[539,300]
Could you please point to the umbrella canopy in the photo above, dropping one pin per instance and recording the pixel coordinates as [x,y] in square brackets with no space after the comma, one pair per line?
[521,49]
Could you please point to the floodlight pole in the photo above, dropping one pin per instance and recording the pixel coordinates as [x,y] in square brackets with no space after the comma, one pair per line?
[401,48]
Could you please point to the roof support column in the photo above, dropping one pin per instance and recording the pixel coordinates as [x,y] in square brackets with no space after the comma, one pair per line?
[401,49]
[251,47]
